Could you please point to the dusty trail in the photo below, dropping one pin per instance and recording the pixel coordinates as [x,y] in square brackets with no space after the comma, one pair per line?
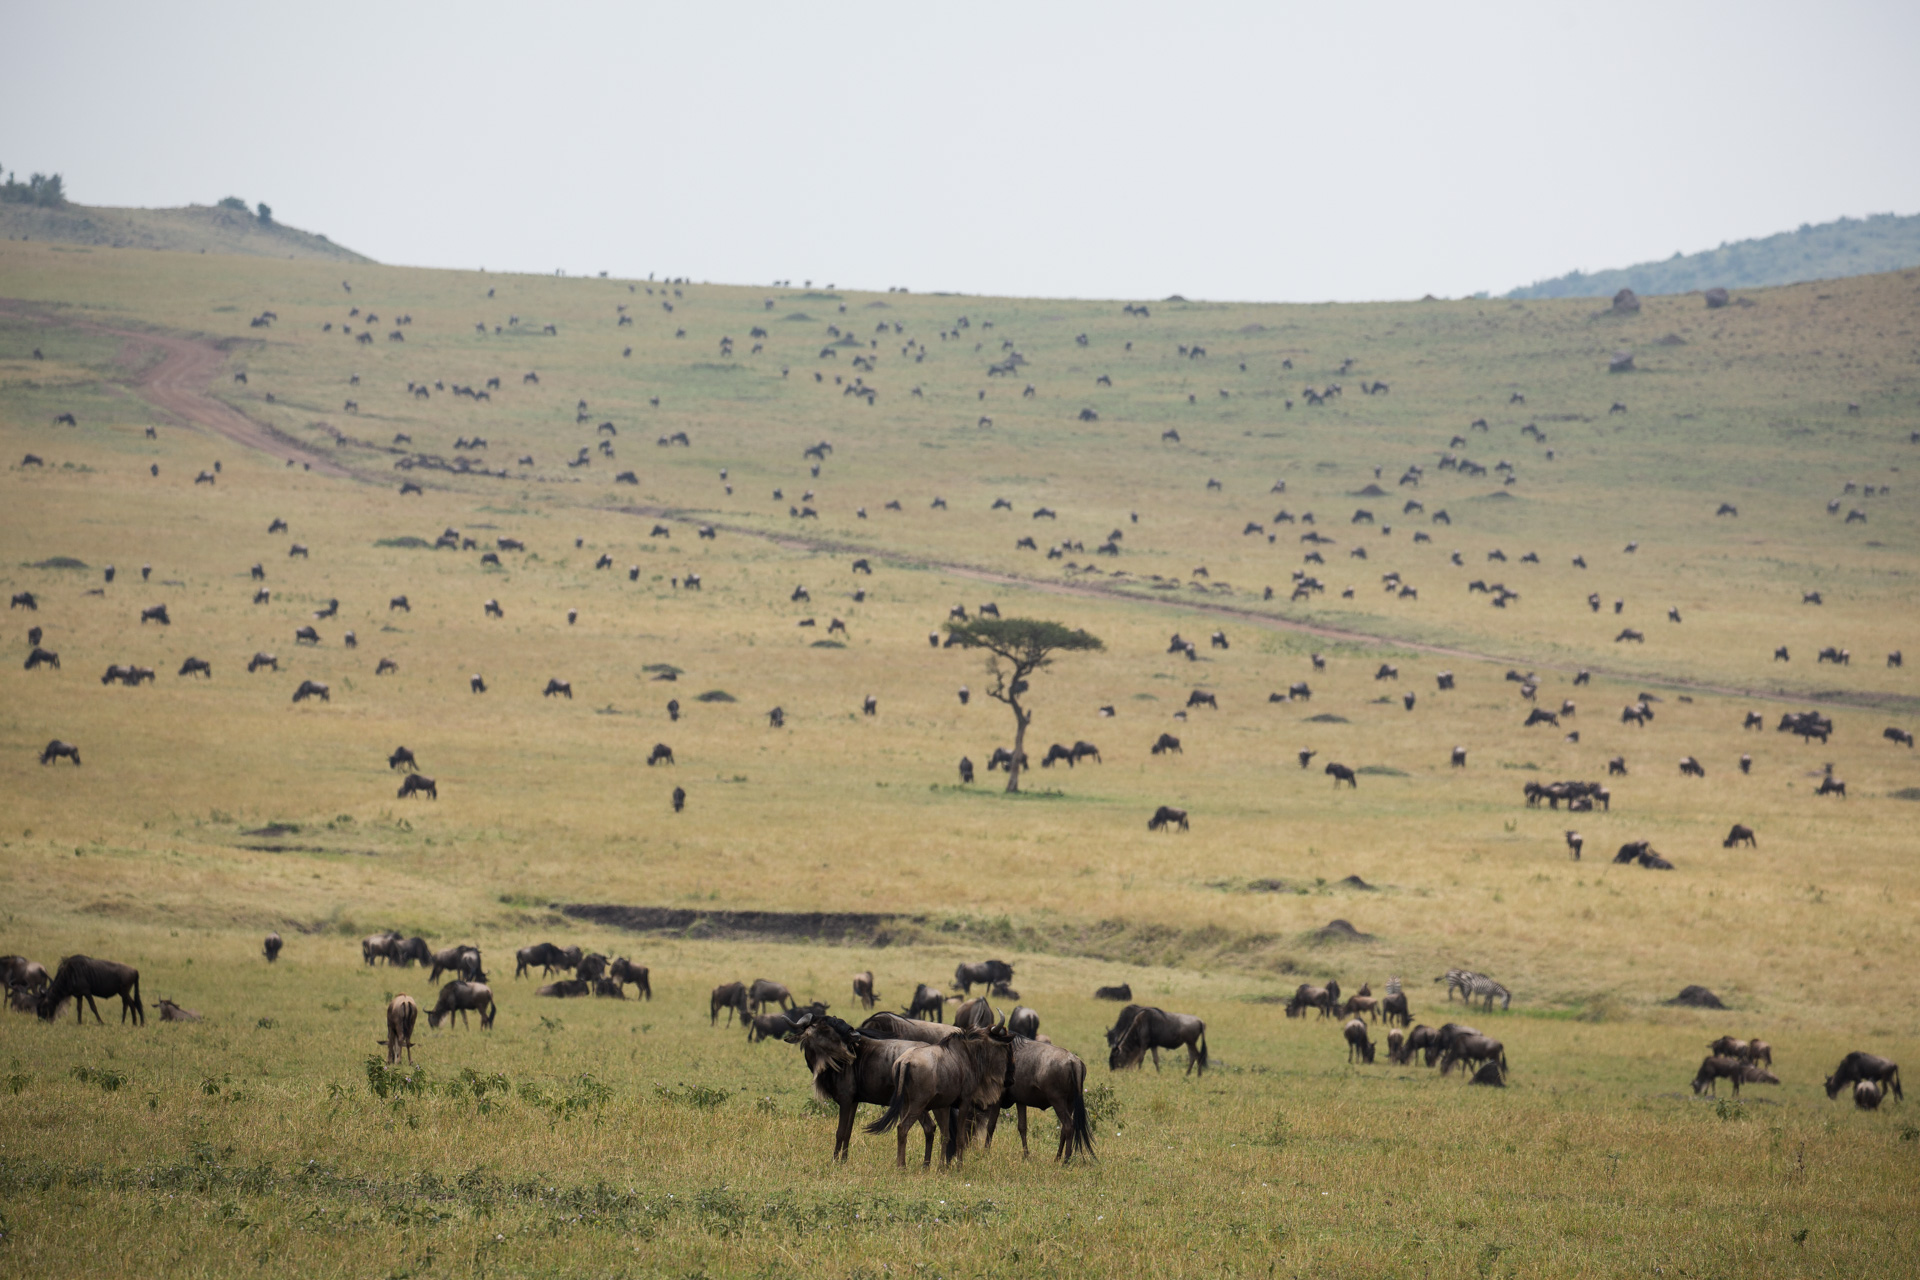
[179,384]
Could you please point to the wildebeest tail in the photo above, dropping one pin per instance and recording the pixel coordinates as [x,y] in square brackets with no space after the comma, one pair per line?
[1080,1135]
[898,1106]
[1203,1048]
[139,1009]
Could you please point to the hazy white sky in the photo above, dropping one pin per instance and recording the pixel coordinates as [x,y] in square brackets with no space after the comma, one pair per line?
[1252,151]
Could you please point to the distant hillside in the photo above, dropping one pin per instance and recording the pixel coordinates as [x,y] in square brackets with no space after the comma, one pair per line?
[194,229]
[1849,247]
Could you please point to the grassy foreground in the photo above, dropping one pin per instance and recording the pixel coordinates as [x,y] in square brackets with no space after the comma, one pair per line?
[596,1137]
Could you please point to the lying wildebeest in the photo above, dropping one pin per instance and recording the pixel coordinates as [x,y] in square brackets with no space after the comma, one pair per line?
[418,784]
[197,667]
[566,989]
[1715,1069]
[402,1013]
[622,971]
[81,978]
[1142,1029]
[1490,1073]
[1121,993]
[171,1012]
[58,750]
[968,1072]
[39,657]
[981,973]
[731,996]
[863,989]
[661,753]
[850,1067]
[1740,833]
[311,689]
[927,1000]
[271,947]
[459,997]
[1473,1048]
[1355,1033]
[764,992]
[1340,773]
[1166,742]
[402,756]
[1166,817]
[1865,1066]
[1641,851]
[463,959]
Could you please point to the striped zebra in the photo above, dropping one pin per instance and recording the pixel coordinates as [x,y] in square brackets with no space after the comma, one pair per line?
[1393,985]
[1475,986]
[1460,980]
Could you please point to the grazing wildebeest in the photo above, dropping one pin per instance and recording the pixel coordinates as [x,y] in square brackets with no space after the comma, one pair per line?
[1628,633]
[1166,817]
[22,973]
[460,997]
[1617,767]
[416,784]
[156,614]
[1166,742]
[311,689]
[1899,737]
[926,1000]
[81,978]
[493,610]
[981,973]
[1355,1032]
[23,600]
[1831,786]
[39,657]
[731,996]
[1740,833]
[1143,1029]
[1738,1070]
[974,1013]
[306,635]
[1300,691]
[1691,768]
[558,686]
[1199,699]
[1471,1047]
[260,660]
[1340,773]
[863,989]
[1393,1007]
[271,947]
[402,1013]
[764,992]
[1540,715]
[1867,1094]
[1311,996]
[966,770]
[58,750]
[968,1072]
[402,756]
[661,754]
[1865,1066]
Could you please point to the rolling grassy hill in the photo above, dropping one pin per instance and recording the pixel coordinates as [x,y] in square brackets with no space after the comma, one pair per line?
[597,1135]
[194,229]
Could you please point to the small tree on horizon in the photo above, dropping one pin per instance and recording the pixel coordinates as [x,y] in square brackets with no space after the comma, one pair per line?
[265,211]
[1018,648]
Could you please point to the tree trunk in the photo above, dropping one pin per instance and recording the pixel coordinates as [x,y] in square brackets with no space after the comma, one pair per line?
[1020,721]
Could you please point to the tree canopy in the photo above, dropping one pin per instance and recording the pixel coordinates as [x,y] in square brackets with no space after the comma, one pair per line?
[1020,647]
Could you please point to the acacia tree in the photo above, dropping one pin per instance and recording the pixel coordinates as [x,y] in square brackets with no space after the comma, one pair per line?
[1017,648]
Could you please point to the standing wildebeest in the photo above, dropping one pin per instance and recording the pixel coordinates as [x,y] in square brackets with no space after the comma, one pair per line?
[1738,1070]
[402,1013]
[966,771]
[416,784]
[22,973]
[58,750]
[1394,1007]
[459,997]
[544,954]
[1049,1078]
[1340,773]
[679,799]
[402,756]
[1867,1094]
[312,689]
[1024,1022]
[1166,742]
[1309,996]
[83,978]
[851,1067]
[407,952]
[271,947]
[260,660]
[982,973]
[1166,817]
[731,996]
[622,971]
[863,989]
[1355,1032]
[1739,834]
[1199,699]
[974,1013]
[1691,768]
[158,613]
[39,657]
[379,946]
[1899,737]
[1829,786]
[23,600]
[764,992]
[197,667]
[558,686]
[661,753]
[1471,1048]
[968,1072]
[1143,1029]
[1865,1066]
[463,959]
[1459,760]
[926,1000]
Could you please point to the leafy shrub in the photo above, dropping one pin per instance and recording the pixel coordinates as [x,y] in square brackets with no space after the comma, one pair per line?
[700,1097]
[107,1078]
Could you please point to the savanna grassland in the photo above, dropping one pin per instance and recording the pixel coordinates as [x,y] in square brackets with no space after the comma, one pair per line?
[600,1137]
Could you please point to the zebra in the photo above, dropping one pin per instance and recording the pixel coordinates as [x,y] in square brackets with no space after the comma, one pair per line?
[1479,985]
[1393,985]
[1460,980]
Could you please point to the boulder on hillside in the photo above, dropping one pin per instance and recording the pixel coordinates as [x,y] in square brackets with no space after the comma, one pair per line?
[1626,303]
[1717,298]
[1339,931]
[1622,362]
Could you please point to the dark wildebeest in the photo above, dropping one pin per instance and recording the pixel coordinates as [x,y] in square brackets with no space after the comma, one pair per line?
[662,753]
[966,771]
[18,971]
[1459,758]
[1340,773]
[1166,742]
[974,1013]
[549,957]
[779,1026]
[1048,1078]
[1419,1040]
[312,689]
[983,973]
[81,978]
[565,989]
[622,971]
[379,946]
[23,600]
[1441,1041]
[1865,1066]
[158,613]
[592,965]
[58,750]
[1024,1022]
[1394,1007]
[1691,768]
[271,947]
[1309,996]
[558,686]
[1867,1094]
[1199,699]
[863,989]
[477,684]
[306,635]
[1899,737]
[418,784]
[463,959]
[459,997]
[1055,753]
[1829,786]
[1355,1033]
[1540,715]
[1166,817]
[1081,750]
[1491,1074]
[926,1000]
[1120,994]
[850,1067]
[764,992]
[1740,833]
[260,660]
[1142,1029]
[402,756]
[410,951]
[402,1014]
[47,658]
[731,996]
[969,1072]
[197,667]
[1473,1048]
[1738,1070]
[679,799]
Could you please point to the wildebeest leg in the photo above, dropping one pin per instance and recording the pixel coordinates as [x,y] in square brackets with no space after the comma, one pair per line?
[843,1137]
[91,1005]
[1156,1057]
[926,1125]
[1020,1115]
[993,1122]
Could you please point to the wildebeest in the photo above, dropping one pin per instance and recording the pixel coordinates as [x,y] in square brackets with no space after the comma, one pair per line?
[555,686]
[970,1070]
[39,657]
[1312,996]
[1831,786]
[974,1013]
[1142,1029]
[622,971]
[81,978]
[966,770]
[401,756]
[1049,1078]
[981,973]
[731,996]
[171,1012]
[764,992]
[260,660]
[402,1013]
[1865,1066]
[1355,1033]
[1470,1048]
[271,947]
[1199,699]
[927,1000]
[565,989]
[418,784]
[1340,773]
[1899,737]
[1393,1007]
[1691,768]
[463,959]
[1740,834]
[863,989]
[1120,994]
[661,754]
[1641,851]
[1540,715]
[23,600]
[58,750]
[1166,742]
[306,635]
[850,1067]
[1738,1070]
[1166,817]
[311,689]
[158,613]
[461,996]
[1867,1094]
[544,954]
